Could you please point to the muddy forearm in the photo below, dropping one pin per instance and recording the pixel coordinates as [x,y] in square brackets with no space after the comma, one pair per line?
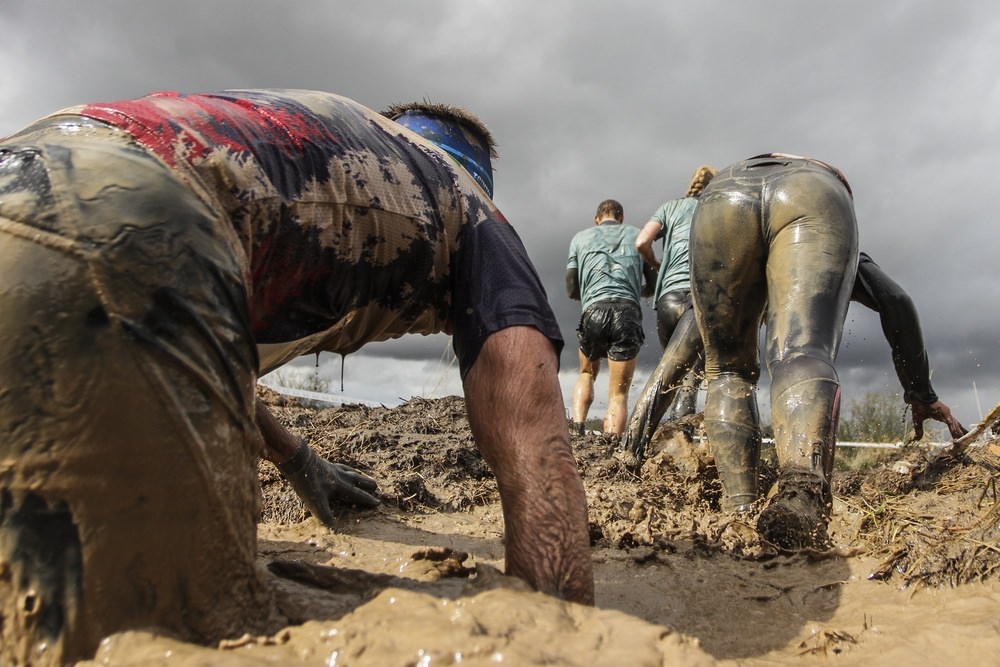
[644,242]
[546,533]
[901,327]
[649,278]
[279,443]
[517,418]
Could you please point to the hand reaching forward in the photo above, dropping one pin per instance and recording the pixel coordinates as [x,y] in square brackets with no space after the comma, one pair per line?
[321,483]
[938,411]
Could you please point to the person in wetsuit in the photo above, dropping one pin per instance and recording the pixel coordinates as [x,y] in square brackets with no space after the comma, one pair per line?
[162,253]
[608,276]
[777,234]
[672,223]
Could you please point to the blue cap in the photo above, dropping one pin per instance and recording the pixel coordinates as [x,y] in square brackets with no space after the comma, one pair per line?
[450,135]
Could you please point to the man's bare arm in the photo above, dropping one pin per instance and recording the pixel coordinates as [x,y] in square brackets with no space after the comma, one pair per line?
[517,417]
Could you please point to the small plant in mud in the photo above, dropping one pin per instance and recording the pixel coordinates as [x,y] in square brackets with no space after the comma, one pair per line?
[293,377]
[880,417]
[857,458]
[875,417]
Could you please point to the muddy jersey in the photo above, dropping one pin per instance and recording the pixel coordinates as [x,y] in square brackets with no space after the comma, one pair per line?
[608,264]
[350,227]
[674,218]
[157,254]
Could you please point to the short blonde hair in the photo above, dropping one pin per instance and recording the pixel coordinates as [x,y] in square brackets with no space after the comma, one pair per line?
[701,177]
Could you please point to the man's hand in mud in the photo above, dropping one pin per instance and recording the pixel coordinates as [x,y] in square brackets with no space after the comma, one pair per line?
[321,483]
[936,410]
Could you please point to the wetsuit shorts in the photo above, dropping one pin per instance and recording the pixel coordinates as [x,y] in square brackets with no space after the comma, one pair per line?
[612,329]
[669,309]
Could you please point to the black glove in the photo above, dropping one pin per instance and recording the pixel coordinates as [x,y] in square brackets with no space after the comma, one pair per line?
[321,483]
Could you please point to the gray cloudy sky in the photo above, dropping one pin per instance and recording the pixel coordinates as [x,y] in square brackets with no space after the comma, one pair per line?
[590,100]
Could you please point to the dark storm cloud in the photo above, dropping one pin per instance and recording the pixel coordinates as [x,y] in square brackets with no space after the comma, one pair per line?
[590,101]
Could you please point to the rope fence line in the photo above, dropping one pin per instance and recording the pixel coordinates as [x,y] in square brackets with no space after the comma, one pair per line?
[868,445]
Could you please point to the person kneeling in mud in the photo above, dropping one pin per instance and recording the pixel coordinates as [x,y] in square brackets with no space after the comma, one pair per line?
[763,226]
[162,253]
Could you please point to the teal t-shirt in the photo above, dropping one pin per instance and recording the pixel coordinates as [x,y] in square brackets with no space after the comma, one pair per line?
[675,230]
[609,266]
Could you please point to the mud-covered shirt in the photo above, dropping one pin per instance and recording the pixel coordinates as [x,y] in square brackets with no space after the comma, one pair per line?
[608,264]
[675,229]
[351,227]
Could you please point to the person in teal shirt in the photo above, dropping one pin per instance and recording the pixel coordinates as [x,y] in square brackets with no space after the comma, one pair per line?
[672,223]
[608,276]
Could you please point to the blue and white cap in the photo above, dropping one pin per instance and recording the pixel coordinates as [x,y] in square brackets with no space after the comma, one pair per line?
[454,137]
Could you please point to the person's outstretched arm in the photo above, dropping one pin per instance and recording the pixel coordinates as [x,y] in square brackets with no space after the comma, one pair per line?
[649,278]
[901,326]
[321,484]
[516,414]
[573,284]
[644,242]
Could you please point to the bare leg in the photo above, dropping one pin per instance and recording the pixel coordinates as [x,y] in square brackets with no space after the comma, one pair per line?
[583,391]
[620,380]
[516,414]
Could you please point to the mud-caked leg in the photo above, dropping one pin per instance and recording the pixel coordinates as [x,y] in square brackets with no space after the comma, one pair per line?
[805,406]
[732,425]
[128,451]
[682,354]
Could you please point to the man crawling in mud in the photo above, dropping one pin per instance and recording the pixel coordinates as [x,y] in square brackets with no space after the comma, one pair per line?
[159,255]
[776,236]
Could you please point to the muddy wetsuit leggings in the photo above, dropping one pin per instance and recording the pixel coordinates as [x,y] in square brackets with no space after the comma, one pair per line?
[676,375]
[670,308]
[128,452]
[774,235]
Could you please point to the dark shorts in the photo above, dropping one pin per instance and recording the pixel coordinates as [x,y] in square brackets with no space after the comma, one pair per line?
[611,329]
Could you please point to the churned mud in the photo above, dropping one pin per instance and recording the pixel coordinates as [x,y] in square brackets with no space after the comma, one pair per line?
[911,579]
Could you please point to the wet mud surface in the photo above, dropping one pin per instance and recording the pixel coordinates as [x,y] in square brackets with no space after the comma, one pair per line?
[912,574]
